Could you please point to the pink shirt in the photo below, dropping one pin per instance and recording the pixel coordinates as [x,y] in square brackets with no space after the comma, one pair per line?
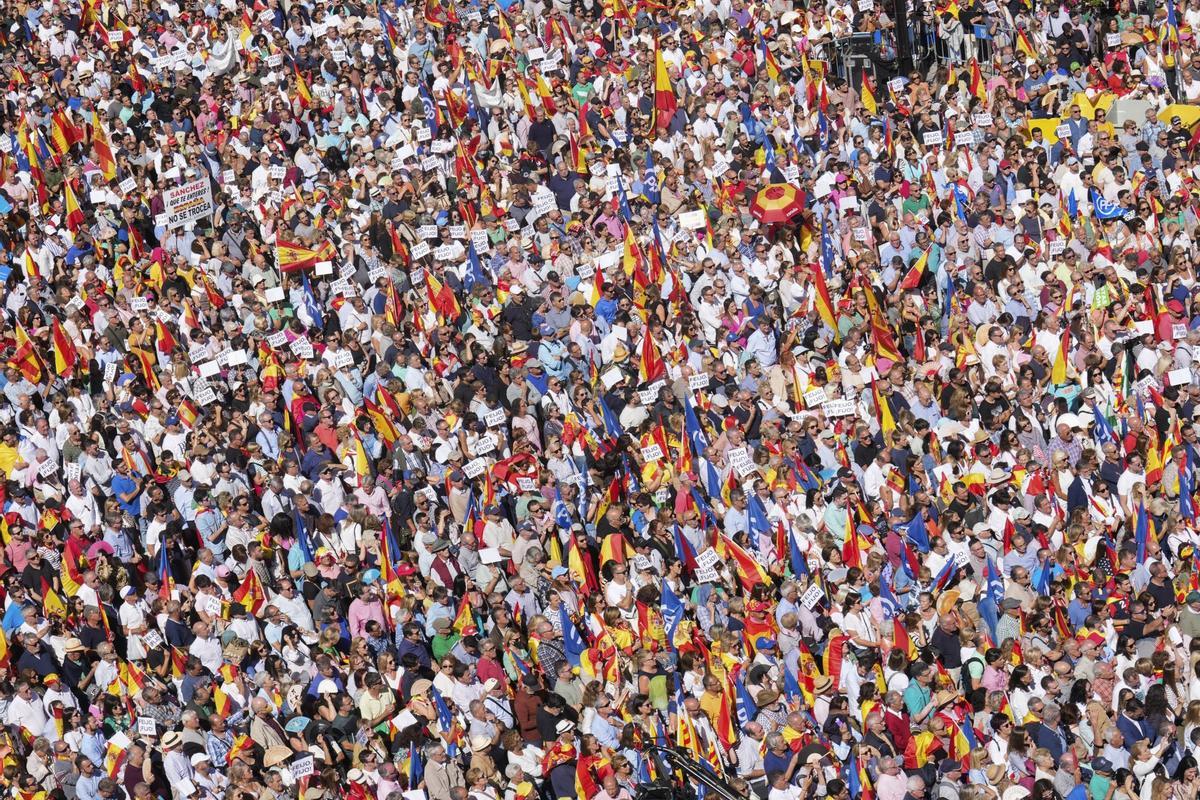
[361,613]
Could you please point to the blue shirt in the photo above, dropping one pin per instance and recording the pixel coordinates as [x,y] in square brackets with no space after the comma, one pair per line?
[125,484]
[89,788]
[916,697]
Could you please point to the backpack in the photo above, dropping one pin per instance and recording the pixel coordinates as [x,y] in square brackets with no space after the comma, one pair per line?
[976,697]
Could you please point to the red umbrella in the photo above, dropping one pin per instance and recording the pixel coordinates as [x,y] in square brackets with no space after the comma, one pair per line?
[777,203]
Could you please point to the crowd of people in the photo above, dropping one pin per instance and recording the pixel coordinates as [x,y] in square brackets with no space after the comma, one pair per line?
[471,401]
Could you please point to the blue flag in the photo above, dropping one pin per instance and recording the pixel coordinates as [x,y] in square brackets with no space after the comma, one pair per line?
[650,189]
[610,420]
[916,532]
[311,305]
[891,606]
[1103,209]
[475,275]
[302,537]
[746,707]
[691,424]
[1103,431]
[1142,532]
[758,521]
[573,645]
[672,611]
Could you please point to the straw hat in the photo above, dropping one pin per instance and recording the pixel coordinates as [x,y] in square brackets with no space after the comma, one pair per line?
[946,602]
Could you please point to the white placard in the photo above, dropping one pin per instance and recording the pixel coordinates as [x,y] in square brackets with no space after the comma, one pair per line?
[494,418]
[964,139]
[661,496]
[139,303]
[1179,377]
[160,220]
[484,445]
[445,252]
[128,185]
[612,377]
[275,60]
[458,231]
[1112,40]
[275,294]
[72,471]
[932,138]
[814,398]
[146,726]
[1179,331]
[896,85]
[1063,131]
[47,468]
[430,163]
[652,452]
[696,382]
[838,408]
[811,597]
[706,575]
[1057,247]
[116,37]
[206,395]
[152,639]
[302,767]
[277,340]
[277,172]
[709,558]
[691,220]
[982,120]
[491,555]
[210,604]
[427,232]
[296,345]
[475,467]
[647,396]
[110,371]
[526,484]
[861,234]
[585,272]
[188,203]
[424,134]
[209,369]
[343,359]
[419,250]
[1143,327]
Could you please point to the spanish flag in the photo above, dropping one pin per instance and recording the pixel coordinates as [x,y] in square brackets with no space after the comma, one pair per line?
[75,217]
[163,339]
[188,413]
[665,103]
[912,279]
[251,593]
[464,618]
[65,354]
[382,422]
[651,367]
[823,300]
[1058,372]
[977,85]
[887,423]
[292,256]
[615,548]
[102,149]
[1025,46]
[303,94]
[750,572]
[25,358]
[224,706]
[868,97]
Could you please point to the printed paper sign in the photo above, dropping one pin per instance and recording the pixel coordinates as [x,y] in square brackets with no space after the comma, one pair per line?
[662,496]
[1057,247]
[612,377]
[1179,331]
[427,232]
[128,185]
[691,220]
[206,395]
[982,120]
[647,396]
[458,231]
[526,484]
[709,558]
[696,382]
[275,294]
[652,452]
[277,340]
[302,767]
[110,371]
[494,418]
[139,303]
[343,359]
[1063,131]
[932,138]
[188,203]
[964,139]
[838,408]
[483,445]
[814,398]
[210,604]
[811,597]
[706,575]
[1179,377]
[146,726]
[420,250]
[72,471]
[46,468]
[1113,40]
[152,639]
[475,467]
